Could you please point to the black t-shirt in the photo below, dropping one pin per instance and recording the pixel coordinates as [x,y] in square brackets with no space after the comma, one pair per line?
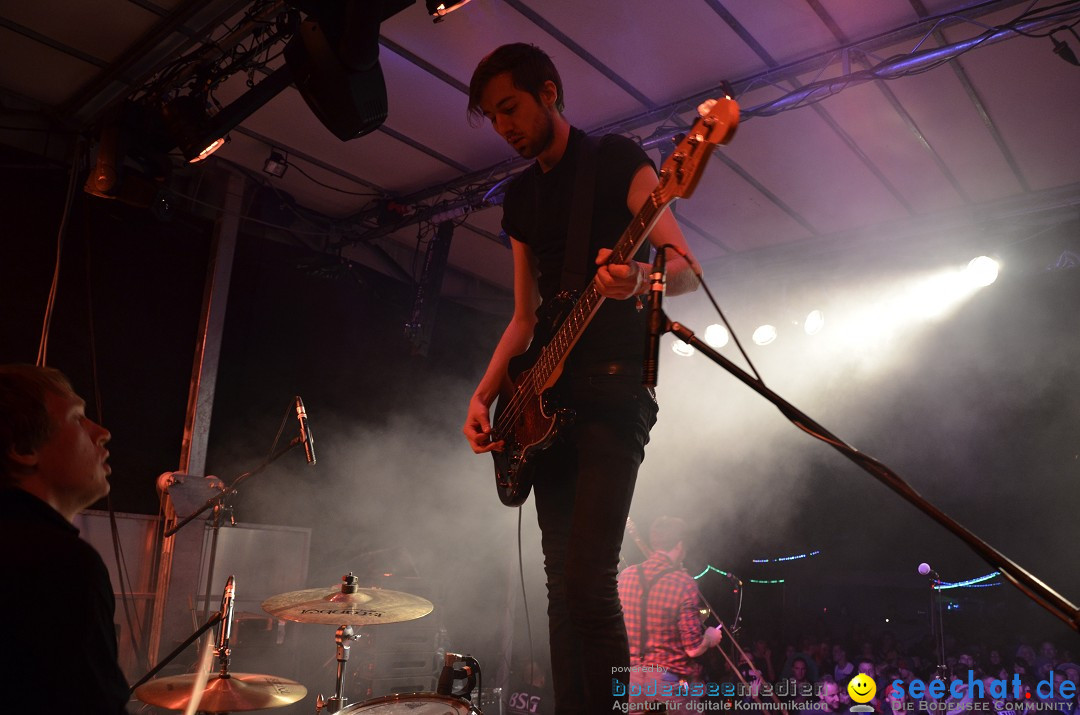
[59,641]
[536,211]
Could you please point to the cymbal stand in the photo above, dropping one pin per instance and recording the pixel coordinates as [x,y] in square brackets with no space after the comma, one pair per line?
[337,702]
[343,637]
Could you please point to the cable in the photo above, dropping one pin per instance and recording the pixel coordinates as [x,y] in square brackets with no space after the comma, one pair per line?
[50,304]
[248,218]
[735,627]
[134,624]
[716,306]
[525,596]
[332,188]
[280,430]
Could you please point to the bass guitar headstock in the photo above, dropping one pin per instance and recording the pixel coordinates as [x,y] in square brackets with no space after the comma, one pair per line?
[680,173]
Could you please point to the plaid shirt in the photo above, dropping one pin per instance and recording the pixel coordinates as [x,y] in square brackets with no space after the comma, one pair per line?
[674,623]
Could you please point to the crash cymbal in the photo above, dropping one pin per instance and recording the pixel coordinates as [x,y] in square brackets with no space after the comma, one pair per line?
[347,605]
[233,693]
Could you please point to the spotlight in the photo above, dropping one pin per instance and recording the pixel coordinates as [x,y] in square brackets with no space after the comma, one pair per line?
[276,163]
[815,321]
[682,349]
[439,8]
[981,271]
[188,123]
[765,334]
[716,335]
[104,178]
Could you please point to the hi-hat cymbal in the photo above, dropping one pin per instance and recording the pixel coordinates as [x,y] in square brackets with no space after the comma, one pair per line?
[234,693]
[347,605]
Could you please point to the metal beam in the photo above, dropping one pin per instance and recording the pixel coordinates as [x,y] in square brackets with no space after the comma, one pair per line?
[739,29]
[423,64]
[913,127]
[1051,206]
[422,148]
[146,56]
[538,20]
[180,552]
[50,42]
[976,101]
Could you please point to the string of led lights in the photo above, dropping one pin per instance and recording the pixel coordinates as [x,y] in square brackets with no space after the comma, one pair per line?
[781,559]
[970,583]
[712,568]
[767,581]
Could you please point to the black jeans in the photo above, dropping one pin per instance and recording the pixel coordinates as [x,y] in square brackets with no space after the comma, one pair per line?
[583,489]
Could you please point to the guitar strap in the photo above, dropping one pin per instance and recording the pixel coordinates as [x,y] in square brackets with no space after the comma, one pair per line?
[576,255]
[646,589]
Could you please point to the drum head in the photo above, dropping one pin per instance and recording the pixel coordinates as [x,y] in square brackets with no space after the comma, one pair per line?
[413,704]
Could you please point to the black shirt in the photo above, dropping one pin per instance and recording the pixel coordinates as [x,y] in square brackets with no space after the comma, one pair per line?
[58,643]
[536,211]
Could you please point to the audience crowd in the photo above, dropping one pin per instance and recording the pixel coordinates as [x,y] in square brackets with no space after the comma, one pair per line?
[818,671]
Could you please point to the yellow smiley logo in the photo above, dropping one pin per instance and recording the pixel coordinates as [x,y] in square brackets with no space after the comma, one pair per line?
[862,688]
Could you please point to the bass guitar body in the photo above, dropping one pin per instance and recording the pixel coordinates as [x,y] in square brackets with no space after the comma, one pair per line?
[534,428]
[527,418]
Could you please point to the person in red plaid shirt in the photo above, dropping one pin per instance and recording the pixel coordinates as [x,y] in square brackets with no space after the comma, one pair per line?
[662,653]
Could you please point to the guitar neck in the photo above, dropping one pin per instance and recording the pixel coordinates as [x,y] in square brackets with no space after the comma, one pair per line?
[554,353]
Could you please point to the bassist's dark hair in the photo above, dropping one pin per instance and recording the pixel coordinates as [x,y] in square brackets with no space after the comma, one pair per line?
[529,68]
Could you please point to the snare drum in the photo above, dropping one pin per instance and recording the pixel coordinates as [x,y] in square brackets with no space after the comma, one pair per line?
[413,704]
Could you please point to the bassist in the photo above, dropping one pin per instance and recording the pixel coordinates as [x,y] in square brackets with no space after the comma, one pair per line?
[584,482]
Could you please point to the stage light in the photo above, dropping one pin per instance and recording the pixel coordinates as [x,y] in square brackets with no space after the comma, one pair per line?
[981,271]
[682,349]
[439,8]
[190,126]
[104,178]
[815,321]
[716,335]
[765,334]
[276,163]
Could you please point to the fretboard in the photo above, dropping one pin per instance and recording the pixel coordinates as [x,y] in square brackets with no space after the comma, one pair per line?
[554,353]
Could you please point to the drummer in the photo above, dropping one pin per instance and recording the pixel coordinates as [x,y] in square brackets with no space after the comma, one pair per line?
[59,638]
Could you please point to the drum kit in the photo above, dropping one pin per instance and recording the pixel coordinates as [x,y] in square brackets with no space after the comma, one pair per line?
[346,606]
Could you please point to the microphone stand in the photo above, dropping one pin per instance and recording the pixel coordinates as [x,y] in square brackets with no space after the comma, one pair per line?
[1027,583]
[217,503]
[224,617]
[935,604]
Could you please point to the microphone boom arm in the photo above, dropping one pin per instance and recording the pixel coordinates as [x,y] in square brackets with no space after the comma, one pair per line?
[231,489]
[1026,582]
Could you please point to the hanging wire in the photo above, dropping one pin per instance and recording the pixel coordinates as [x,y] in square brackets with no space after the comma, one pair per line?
[50,303]
[525,596]
[333,188]
[716,306]
[134,623]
